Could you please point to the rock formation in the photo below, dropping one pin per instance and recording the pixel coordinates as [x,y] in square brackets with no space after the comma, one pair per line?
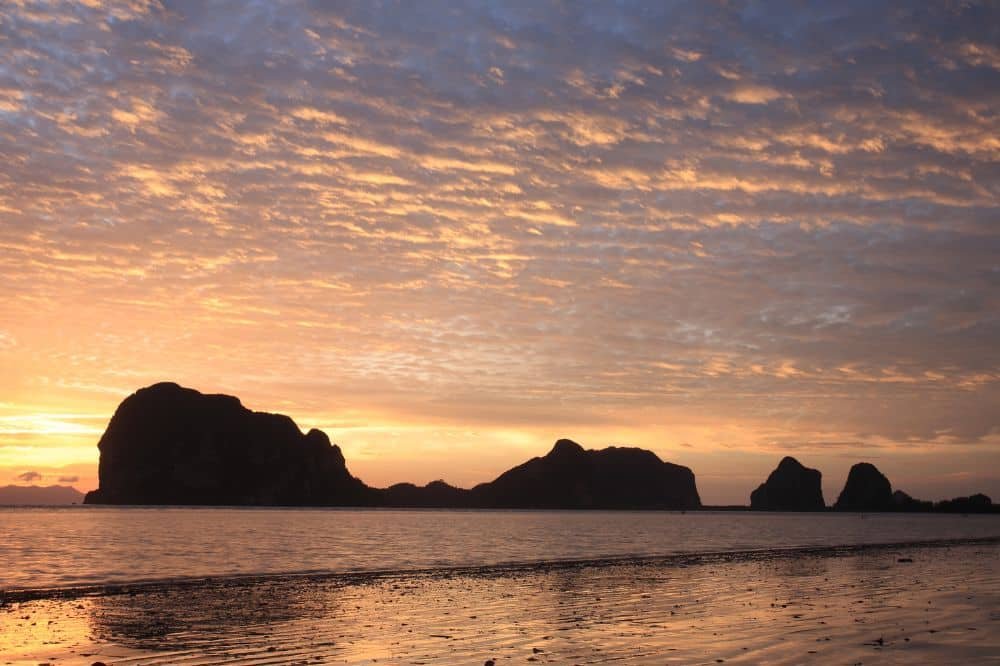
[569,477]
[866,489]
[790,487]
[171,445]
[903,502]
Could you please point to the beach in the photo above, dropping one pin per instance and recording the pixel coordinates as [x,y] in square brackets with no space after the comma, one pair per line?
[873,604]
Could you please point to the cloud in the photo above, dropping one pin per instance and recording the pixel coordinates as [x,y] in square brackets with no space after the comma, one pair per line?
[29,477]
[753,94]
[780,217]
[69,479]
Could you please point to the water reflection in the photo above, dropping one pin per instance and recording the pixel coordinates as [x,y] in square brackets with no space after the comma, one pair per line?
[761,609]
[44,548]
[194,616]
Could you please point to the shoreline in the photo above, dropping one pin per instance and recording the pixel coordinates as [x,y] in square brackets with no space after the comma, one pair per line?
[884,603]
[723,508]
[227,581]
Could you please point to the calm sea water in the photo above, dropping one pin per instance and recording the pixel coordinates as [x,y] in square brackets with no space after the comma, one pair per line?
[42,548]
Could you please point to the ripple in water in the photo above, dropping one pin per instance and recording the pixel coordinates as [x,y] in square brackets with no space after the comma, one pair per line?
[44,548]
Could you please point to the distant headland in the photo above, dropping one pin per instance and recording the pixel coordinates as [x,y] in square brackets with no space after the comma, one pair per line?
[39,495]
[170,445]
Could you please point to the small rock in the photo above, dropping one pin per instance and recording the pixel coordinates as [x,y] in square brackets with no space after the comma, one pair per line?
[905,559]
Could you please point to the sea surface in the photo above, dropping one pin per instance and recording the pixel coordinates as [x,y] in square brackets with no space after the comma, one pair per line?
[74,547]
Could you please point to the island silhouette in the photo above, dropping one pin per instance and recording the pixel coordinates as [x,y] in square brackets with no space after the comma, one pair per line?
[39,495]
[170,445]
[794,487]
[790,487]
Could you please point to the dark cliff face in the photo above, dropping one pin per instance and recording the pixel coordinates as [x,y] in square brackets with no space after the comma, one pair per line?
[866,489]
[569,477]
[171,445]
[790,487]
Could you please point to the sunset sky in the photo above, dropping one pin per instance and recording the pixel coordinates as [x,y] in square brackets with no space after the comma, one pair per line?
[450,233]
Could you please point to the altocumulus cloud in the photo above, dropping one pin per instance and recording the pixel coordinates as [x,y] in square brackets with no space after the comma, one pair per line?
[782,214]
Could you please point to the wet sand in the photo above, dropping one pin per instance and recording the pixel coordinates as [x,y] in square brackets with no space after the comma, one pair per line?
[901,604]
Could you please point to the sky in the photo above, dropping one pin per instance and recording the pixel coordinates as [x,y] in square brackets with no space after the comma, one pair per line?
[450,233]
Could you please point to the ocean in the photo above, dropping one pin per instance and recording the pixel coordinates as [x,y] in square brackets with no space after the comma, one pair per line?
[50,549]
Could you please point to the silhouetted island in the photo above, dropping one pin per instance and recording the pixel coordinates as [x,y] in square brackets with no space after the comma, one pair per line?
[793,487]
[39,495]
[168,445]
[171,445]
[866,489]
[978,503]
[436,494]
[790,487]
[569,477]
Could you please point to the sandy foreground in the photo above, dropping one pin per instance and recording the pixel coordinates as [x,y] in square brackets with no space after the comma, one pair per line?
[833,606]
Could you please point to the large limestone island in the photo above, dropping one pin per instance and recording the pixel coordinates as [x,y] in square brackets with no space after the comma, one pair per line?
[866,489]
[172,445]
[790,487]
